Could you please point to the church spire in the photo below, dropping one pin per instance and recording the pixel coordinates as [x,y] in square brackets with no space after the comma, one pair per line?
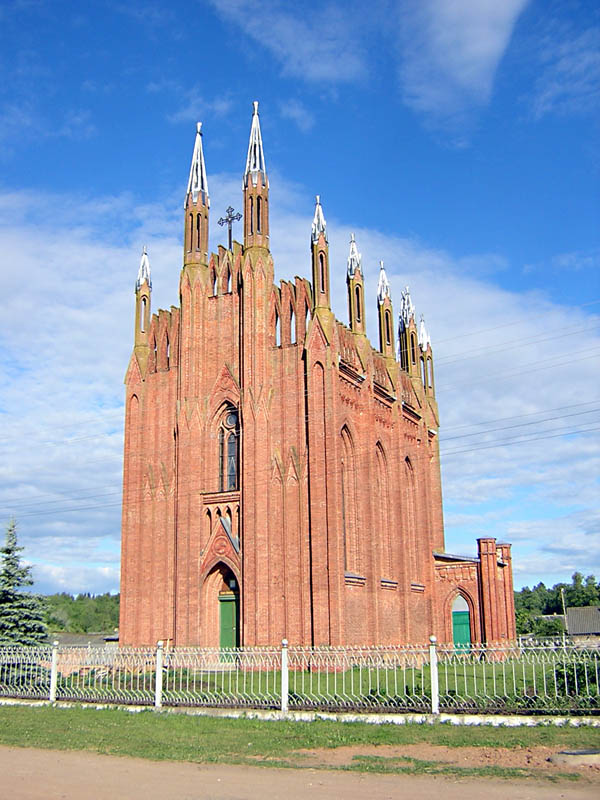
[385,314]
[319,226]
[255,161]
[197,203]
[197,182]
[354,258]
[354,279]
[256,189]
[383,287]
[320,258]
[144,271]
[143,289]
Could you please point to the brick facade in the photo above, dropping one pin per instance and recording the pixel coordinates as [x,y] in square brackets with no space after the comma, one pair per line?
[274,455]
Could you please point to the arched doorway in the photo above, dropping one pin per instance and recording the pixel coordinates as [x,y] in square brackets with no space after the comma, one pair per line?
[222,608]
[461,624]
[229,613]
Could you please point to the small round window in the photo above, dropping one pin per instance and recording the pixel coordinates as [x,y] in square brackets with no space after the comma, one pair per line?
[231,419]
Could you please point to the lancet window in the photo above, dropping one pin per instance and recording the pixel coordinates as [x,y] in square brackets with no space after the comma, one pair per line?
[229,451]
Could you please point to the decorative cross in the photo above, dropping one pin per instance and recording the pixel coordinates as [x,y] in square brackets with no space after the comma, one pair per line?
[228,220]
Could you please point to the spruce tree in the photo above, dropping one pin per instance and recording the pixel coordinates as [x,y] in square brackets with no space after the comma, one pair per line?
[21,613]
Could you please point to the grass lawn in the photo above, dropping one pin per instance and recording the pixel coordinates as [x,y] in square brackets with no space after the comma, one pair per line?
[179,737]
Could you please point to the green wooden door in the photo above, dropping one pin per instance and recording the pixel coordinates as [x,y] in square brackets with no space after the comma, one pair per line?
[228,620]
[461,630]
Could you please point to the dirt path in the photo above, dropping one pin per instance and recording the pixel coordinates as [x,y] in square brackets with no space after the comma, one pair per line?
[29,774]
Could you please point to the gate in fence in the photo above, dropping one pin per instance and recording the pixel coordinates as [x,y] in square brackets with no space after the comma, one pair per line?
[536,677]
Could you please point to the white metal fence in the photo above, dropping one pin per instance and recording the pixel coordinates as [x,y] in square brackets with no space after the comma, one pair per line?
[535,677]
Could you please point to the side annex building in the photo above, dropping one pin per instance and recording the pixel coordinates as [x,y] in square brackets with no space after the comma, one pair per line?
[281,474]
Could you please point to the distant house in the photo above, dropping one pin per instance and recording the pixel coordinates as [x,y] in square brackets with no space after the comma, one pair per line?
[583,624]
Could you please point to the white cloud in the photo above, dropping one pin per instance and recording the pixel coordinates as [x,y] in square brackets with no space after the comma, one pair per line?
[192,105]
[318,44]
[449,52]
[67,336]
[570,73]
[298,113]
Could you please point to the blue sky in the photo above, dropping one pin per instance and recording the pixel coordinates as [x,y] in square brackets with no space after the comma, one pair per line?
[459,140]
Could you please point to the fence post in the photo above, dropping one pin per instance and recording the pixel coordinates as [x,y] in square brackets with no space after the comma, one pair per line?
[285,677]
[158,685]
[433,670]
[54,672]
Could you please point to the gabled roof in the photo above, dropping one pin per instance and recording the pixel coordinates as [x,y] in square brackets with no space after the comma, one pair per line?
[583,620]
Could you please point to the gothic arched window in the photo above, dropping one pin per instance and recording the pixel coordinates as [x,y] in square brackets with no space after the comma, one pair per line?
[321,273]
[388,327]
[229,451]
[358,304]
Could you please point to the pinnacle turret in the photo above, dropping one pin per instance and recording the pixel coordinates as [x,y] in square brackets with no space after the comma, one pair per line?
[255,161]
[407,310]
[319,225]
[383,287]
[197,183]
[144,271]
[354,258]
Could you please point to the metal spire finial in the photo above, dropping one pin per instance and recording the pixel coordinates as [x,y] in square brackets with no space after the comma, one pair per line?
[255,160]
[383,287]
[197,182]
[354,258]
[144,271]
[318,225]
[407,310]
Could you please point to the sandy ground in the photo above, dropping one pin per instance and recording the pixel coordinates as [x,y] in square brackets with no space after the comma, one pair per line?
[29,774]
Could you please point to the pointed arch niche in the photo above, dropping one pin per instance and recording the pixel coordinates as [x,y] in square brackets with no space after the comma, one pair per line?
[382,499]
[349,505]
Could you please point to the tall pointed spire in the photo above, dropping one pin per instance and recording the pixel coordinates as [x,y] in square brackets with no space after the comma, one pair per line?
[354,258]
[354,281]
[144,271]
[197,203]
[319,225]
[319,248]
[197,182]
[255,161]
[385,315]
[383,287]
[256,189]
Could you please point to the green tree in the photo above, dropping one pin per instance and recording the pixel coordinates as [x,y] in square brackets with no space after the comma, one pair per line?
[21,613]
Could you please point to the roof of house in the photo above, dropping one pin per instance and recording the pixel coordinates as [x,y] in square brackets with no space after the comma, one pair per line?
[583,620]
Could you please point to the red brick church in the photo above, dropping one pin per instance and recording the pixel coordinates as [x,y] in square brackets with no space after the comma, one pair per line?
[281,474]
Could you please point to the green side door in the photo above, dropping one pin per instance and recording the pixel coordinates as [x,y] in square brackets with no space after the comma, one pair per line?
[461,630]
[228,621]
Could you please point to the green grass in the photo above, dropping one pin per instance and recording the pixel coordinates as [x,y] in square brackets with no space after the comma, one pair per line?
[180,737]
